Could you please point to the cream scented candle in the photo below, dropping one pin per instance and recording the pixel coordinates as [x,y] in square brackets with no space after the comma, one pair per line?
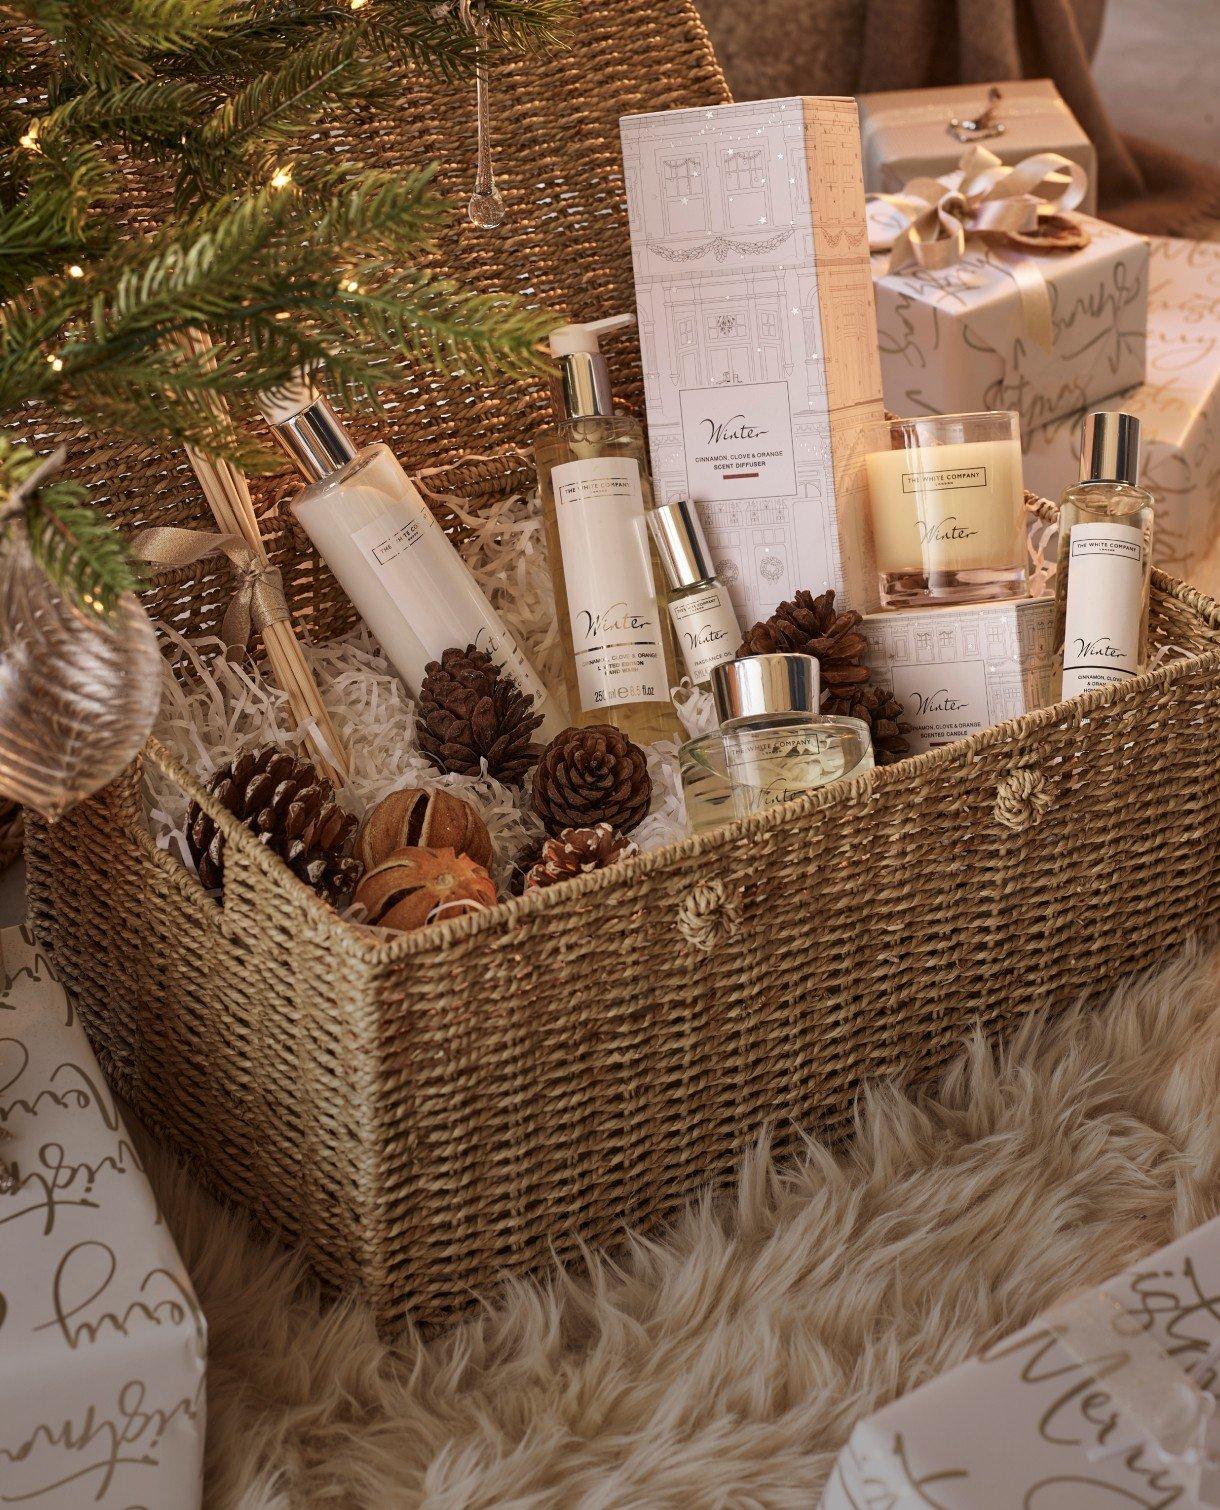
[947,505]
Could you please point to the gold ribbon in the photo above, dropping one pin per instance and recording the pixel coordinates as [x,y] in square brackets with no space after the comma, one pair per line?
[258,597]
[986,201]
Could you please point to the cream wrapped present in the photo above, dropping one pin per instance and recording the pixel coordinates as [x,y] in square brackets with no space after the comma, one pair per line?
[913,133]
[1103,1402]
[958,671]
[101,1339]
[1179,408]
[971,314]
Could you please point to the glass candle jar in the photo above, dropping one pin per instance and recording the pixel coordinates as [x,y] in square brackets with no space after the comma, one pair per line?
[777,745]
[948,511]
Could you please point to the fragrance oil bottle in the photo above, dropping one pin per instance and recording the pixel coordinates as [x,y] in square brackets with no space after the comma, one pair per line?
[1105,559]
[595,490]
[700,609]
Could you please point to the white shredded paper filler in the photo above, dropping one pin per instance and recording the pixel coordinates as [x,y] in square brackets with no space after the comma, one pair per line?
[215,708]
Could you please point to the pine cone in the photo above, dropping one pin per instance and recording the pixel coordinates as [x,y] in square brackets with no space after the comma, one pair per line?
[810,626]
[523,862]
[882,712]
[470,710]
[576,851]
[291,808]
[590,776]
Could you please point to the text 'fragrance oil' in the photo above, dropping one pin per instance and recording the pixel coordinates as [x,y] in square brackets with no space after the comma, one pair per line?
[596,494]
[1105,559]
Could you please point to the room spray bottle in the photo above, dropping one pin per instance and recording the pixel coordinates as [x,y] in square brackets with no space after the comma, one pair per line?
[1105,559]
[383,543]
[595,489]
[700,609]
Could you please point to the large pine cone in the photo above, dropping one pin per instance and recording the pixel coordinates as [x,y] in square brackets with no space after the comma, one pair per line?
[575,852]
[470,711]
[882,712]
[590,776]
[810,626]
[292,809]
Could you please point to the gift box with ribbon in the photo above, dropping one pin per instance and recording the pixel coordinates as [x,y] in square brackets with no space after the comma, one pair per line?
[920,133]
[102,1343]
[994,292]
[1108,1399]
[1179,409]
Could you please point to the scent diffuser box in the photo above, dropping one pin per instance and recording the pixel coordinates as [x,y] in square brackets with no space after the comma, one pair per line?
[958,671]
[954,341]
[758,336]
[1179,411]
[1099,1402]
[911,133]
[102,1343]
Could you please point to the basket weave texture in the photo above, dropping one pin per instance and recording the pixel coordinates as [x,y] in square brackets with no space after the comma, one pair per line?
[426,1115]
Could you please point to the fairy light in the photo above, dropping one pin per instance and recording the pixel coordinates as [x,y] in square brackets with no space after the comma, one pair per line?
[357,4]
[30,140]
[349,286]
[281,178]
[76,271]
[56,363]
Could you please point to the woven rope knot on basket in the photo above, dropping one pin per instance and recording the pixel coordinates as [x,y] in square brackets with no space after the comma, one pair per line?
[706,915]
[1021,799]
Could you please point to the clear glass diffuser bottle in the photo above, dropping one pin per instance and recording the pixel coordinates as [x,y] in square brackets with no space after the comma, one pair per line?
[777,745]
[595,490]
[379,537]
[1105,559]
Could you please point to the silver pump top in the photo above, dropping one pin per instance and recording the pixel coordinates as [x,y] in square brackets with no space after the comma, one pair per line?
[308,429]
[759,684]
[584,376]
[681,543]
[1110,448]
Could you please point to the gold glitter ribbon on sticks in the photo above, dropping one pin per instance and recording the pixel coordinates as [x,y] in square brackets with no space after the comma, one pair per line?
[1012,210]
[258,596]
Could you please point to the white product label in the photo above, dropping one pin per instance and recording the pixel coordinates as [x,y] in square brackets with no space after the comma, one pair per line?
[770,766]
[738,441]
[607,570]
[1105,589]
[707,630]
[943,703]
[434,590]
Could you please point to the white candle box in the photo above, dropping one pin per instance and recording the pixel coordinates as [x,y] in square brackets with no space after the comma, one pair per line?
[102,1343]
[758,337]
[908,133]
[1040,1422]
[1179,411]
[953,341]
[958,671]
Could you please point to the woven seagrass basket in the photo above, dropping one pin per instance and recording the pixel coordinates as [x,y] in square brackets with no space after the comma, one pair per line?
[426,1115]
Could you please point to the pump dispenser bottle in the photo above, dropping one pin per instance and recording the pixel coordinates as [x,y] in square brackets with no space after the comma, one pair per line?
[595,489]
[381,540]
[1105,559]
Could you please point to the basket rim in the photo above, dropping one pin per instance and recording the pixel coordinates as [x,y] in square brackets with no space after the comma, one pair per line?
[364,945]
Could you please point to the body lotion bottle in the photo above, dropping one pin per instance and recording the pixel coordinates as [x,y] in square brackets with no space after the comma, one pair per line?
[593,479]
[379,537]
[1105,559]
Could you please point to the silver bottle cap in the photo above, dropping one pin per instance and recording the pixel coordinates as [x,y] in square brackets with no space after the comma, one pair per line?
[1110,448]
[681,543]
[759,684]
[584,377]
[309,430]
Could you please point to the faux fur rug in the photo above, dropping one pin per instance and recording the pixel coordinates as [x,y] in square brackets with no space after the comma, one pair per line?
[724,1363]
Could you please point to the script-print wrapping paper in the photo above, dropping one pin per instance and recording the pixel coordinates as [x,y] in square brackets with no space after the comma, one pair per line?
[952,341]
[102,1343]
[1179,411]
[906,132]
[1033,1425]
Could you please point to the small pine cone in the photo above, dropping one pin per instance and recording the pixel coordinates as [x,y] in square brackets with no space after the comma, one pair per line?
[291,808]
[576,851]
[882,712]
[810,626]
[590,776]
[470,711]
[523,862]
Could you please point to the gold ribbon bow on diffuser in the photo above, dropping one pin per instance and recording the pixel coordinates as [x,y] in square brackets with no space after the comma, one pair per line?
[258,595]
[1012,210]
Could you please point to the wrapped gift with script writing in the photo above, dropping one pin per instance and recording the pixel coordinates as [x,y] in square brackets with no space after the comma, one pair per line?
[1106,1400]
[102,1343]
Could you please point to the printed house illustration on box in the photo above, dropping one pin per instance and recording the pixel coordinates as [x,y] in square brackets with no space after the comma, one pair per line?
[751,267]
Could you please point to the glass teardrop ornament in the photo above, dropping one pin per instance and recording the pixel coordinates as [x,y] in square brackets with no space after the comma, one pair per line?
[486,206]
[78,693]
